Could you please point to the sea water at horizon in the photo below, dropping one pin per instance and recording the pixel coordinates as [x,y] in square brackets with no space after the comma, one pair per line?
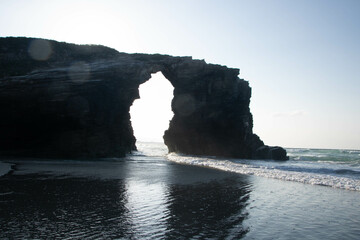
[154,195]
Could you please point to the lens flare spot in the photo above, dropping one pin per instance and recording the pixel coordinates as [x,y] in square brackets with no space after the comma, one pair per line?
[184,104]
[40,49]
[79,72]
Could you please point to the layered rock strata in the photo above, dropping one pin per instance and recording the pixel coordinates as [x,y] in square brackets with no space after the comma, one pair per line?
[61,100]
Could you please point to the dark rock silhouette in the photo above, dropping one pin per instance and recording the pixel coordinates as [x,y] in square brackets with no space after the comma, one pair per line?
[63,100]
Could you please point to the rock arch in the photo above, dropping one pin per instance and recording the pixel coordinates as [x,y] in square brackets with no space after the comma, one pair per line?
[76,102]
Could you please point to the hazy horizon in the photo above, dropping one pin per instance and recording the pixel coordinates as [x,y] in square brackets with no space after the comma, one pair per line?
[301,58]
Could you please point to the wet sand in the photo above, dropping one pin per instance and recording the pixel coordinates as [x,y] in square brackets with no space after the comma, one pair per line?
[149,197]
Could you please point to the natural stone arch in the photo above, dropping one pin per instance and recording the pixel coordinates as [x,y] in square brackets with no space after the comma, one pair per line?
[76,103]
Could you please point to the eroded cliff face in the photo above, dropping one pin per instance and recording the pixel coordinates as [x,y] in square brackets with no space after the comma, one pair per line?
[72,101]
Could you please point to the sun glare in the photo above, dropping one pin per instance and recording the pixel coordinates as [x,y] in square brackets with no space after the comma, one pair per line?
[92,23]
[150,115]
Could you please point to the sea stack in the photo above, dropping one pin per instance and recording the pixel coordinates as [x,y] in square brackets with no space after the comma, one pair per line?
[61,100]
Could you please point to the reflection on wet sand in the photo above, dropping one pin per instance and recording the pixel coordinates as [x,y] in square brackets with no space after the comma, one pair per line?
[44,207]
[147,201]
[208,210]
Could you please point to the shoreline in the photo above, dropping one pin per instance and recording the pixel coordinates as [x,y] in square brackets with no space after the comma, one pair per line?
[152,197]
[265,172]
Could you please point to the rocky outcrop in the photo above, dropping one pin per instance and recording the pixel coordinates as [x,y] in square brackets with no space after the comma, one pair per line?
[72,101]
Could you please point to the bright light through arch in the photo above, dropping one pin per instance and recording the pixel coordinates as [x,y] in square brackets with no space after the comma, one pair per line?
[150,115]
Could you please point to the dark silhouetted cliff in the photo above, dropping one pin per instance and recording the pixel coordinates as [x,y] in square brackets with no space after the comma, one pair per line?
[72,101]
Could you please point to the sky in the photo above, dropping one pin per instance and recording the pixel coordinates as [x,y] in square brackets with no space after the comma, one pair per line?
[301,58]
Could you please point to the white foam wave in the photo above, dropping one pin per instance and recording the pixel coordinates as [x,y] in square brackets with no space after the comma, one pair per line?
[4,168]
[263,171]
[351,151]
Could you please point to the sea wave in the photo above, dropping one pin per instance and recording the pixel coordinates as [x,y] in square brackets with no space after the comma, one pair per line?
[265,171]
[356,152]
[323,156]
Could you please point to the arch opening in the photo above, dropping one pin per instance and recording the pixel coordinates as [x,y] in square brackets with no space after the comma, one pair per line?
[151,113]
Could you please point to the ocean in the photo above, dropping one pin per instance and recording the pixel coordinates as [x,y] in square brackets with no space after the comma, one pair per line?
[154,195]
[326,167]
